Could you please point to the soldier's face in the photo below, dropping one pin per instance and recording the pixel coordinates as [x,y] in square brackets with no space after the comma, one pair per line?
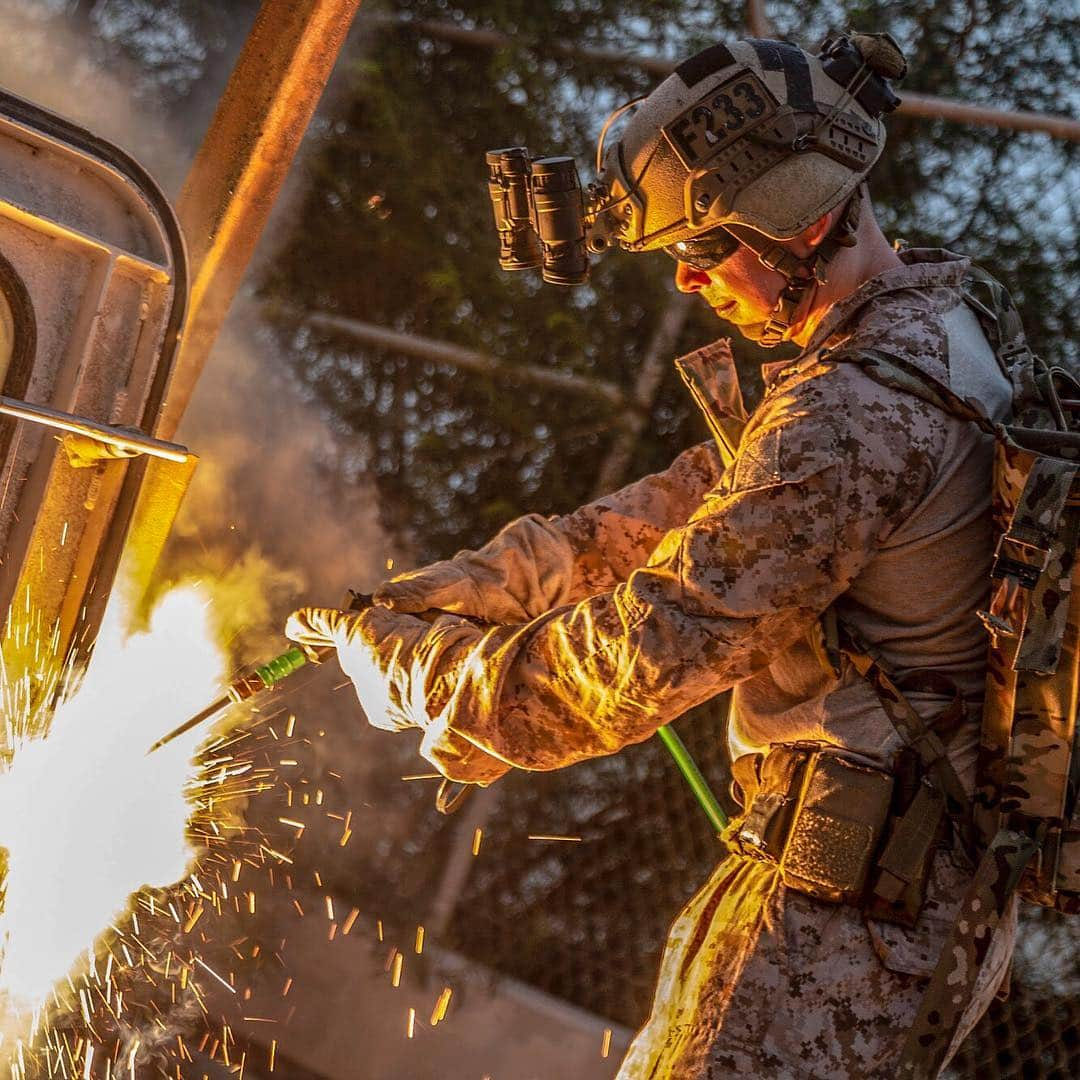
[740,290]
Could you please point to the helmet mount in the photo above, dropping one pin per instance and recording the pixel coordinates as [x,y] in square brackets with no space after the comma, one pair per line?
[759,137]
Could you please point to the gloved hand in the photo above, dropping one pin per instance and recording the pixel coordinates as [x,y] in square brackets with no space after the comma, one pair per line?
[442,586]
[521,573]
[404,669]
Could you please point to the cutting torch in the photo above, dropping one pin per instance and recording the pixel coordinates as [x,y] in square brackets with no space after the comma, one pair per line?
[450,794]
[247,686]
[268,675]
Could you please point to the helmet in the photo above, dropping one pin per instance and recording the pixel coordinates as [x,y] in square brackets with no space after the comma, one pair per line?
[758,134]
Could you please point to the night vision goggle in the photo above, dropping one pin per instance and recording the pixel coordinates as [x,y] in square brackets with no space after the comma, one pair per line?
[546,220]
[542,215]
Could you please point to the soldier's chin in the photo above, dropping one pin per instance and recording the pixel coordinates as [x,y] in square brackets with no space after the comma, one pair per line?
[751,331]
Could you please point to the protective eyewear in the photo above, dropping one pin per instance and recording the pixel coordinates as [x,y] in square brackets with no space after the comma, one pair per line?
[705,252]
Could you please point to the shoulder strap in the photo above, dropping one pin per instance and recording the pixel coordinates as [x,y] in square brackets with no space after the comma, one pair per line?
[997,313]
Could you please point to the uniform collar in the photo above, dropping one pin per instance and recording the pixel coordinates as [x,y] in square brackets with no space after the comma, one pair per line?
[923,268]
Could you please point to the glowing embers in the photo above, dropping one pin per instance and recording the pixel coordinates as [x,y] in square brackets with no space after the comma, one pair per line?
[85,816]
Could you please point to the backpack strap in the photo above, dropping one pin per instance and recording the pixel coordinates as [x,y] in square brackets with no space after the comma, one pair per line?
[1000,321]
[1037,550]
[917,735]
[952,985]
[997,313]
[900,374]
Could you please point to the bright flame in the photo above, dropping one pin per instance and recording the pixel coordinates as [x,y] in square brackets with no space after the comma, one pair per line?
[86,816]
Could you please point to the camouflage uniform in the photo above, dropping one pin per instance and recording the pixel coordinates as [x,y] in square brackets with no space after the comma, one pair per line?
[636,608]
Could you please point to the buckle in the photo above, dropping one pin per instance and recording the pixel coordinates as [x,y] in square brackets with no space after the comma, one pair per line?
[1017,562]
[756,837]
[774,257]
[1008,353]
[773,333]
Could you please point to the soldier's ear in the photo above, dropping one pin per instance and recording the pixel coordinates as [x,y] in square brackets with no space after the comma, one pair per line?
[812,235]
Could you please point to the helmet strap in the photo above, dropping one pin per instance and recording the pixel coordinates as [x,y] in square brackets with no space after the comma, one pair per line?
[803,276]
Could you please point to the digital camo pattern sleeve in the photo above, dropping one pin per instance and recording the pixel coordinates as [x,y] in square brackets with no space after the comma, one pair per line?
[829,465]
[537,563]
[614,536]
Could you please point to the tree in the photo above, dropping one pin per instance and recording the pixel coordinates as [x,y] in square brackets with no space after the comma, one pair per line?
[397,230]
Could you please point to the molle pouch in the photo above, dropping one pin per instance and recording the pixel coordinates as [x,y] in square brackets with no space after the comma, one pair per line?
[837,829]
[903,866]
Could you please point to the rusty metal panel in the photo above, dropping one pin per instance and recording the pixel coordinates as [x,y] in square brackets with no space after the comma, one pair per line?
[93,270]
[235,179]
[96,272]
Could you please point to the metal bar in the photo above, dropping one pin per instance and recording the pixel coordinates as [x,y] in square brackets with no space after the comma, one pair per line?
[757,22]
[496,39]
[242,164]
[1059,127]
[914,104]
[440,352]
[132,442]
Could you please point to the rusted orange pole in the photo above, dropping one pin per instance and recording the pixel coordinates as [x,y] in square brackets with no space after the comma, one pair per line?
[242,164]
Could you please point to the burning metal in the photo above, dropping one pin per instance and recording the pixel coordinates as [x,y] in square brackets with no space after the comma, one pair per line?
[112,963]
[84,821]
[99,952]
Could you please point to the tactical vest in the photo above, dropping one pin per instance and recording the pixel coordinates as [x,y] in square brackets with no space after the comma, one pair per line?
[1023,827]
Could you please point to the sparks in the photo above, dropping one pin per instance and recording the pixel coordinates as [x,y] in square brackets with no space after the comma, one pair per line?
[207,968]
[116,820]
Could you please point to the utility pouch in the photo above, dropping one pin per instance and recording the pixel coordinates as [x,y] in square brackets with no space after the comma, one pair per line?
[902,868]
[818,816]
[837,829]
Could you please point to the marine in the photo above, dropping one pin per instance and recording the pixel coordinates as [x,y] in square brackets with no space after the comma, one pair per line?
[840,530]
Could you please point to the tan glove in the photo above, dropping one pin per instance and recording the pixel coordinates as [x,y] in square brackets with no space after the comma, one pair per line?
[403,668]
[521,573]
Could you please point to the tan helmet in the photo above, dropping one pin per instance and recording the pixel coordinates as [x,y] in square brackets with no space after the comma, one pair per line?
[756,133]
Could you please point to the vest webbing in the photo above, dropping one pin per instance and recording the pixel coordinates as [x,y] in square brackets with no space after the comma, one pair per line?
[1008,853]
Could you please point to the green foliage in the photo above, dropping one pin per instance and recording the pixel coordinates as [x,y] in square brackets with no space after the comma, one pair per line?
[396,231]
[1009,199]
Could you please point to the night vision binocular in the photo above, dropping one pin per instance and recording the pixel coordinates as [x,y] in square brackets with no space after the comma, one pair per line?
[542,215]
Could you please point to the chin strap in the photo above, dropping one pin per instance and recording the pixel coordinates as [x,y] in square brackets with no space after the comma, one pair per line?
[803,275]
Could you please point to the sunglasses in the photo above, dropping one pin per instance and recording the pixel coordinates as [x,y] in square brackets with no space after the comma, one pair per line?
[705,252]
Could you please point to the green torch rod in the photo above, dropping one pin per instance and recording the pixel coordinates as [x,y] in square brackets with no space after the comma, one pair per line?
[692,774]
[264,676]
[247,686]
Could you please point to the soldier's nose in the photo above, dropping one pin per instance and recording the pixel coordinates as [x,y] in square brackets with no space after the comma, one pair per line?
[688,279]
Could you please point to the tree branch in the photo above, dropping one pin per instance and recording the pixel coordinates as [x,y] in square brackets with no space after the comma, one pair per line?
[441,352]
[913,104]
